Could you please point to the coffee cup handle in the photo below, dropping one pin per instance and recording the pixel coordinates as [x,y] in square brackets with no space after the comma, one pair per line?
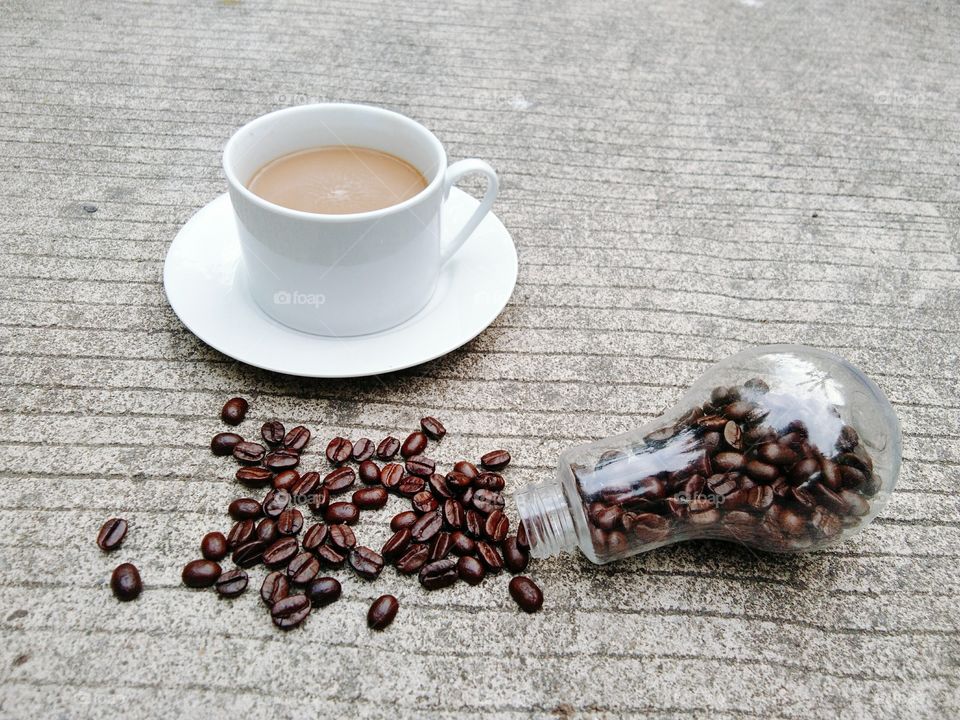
[453,174]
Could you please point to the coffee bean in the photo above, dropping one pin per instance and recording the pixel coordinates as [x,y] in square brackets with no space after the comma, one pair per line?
[232,583]
[804,471]
[830,474]
[789,521]
[288,479]
[272,432]
[319,501]
[515,558]
[125,582]
[282,460]
[848,439]
[243,531]
[438,486]
[339,480]
[243,508]
[415,444]
[473,523]
[825,524]
[465,467]
[490,481]
[740,519]
[296,439]
[267,530]
[391,475]
[254,477]
[410,485]
[495,460]
[498,525]
[458,483]
[365,562]
[371,498]
[439,574]
[280,552]
[852,477]
[290,522]
[275,502]
[856,504]
[224,443]
[727,461]
[315,536]
[249,452]
[214,546]
[249,554]
[721,485]
[403,520]
[388,448]
[382,612]
[362,450]
[607,517]
[111,534]
[711,423]
[471,570]
[339,450]
[732,435]
[413,559]
[234,411]
[420,465]
[776,454]
[461,543]
[453,514]
[526,594]
[342,512]
[200,573]
[440,546]
[522,541]
[303,491]
[486,501]
[761,471]
[396,545]
[290,611]
[324,591]
[489,556]
[303,568]
[369,472]
[648,527]
[433,427]
[426,526]
[424,502]
[329,557]
[342,537]
[275,587]
[803,498]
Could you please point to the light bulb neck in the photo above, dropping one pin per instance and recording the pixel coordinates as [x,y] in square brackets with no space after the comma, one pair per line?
[545,514]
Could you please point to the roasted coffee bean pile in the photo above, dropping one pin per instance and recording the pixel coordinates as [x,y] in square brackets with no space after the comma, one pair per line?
[303,525]
[726,473]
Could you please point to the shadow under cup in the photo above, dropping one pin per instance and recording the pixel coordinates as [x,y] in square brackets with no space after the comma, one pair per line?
[338,275]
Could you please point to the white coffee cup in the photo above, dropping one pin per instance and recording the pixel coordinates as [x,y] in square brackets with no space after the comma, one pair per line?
[351,274]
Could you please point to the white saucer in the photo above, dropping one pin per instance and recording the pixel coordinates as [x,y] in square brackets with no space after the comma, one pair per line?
[206,285]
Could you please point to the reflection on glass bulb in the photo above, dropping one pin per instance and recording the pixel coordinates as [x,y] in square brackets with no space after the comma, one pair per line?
[782,448]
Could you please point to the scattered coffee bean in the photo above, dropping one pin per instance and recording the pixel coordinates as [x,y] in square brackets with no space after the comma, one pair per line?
[424,502]
[296,438]
[396,545]
[290,522]
[515,558]
[362,450]
[290,611]
[249,452]
[438,486]
[420,465]
[329,557]
[275,502]
[232,583]
[339,450]
[315,536]
[440,546]
[382,612]
[465,467]
[214,546]
[391,475]
[324,591]
[319,501]
[403,520]
[243,508]
[272,432]
[125,582]
[487,501]
[367,563]
[111,534]
[289,479]
[280,552]
[495,460]
[275,588]
[303,491]
[342,512]
[526,594]
[200,573]
[415,444]
[433,427]
[303,568]
[224,443]
[341,537]
[254,477]
[490,481]
[471,570]
[439,574]
[458,483]
[462,544]
[369,472]
[281,460]
[340,480]
[473,523]
[387,448]
[267,530]
[371,498]
[497,526]
[426,526]
[243,531]
[249,554]
[234,411]
[489,556]
[413,559]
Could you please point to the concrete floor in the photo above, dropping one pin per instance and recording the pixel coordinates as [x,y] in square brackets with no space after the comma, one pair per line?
[682,179]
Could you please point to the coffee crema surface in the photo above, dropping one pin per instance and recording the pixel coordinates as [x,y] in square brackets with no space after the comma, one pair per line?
[337,180]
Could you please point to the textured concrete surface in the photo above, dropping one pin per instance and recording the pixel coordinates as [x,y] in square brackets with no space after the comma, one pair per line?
[682,179]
